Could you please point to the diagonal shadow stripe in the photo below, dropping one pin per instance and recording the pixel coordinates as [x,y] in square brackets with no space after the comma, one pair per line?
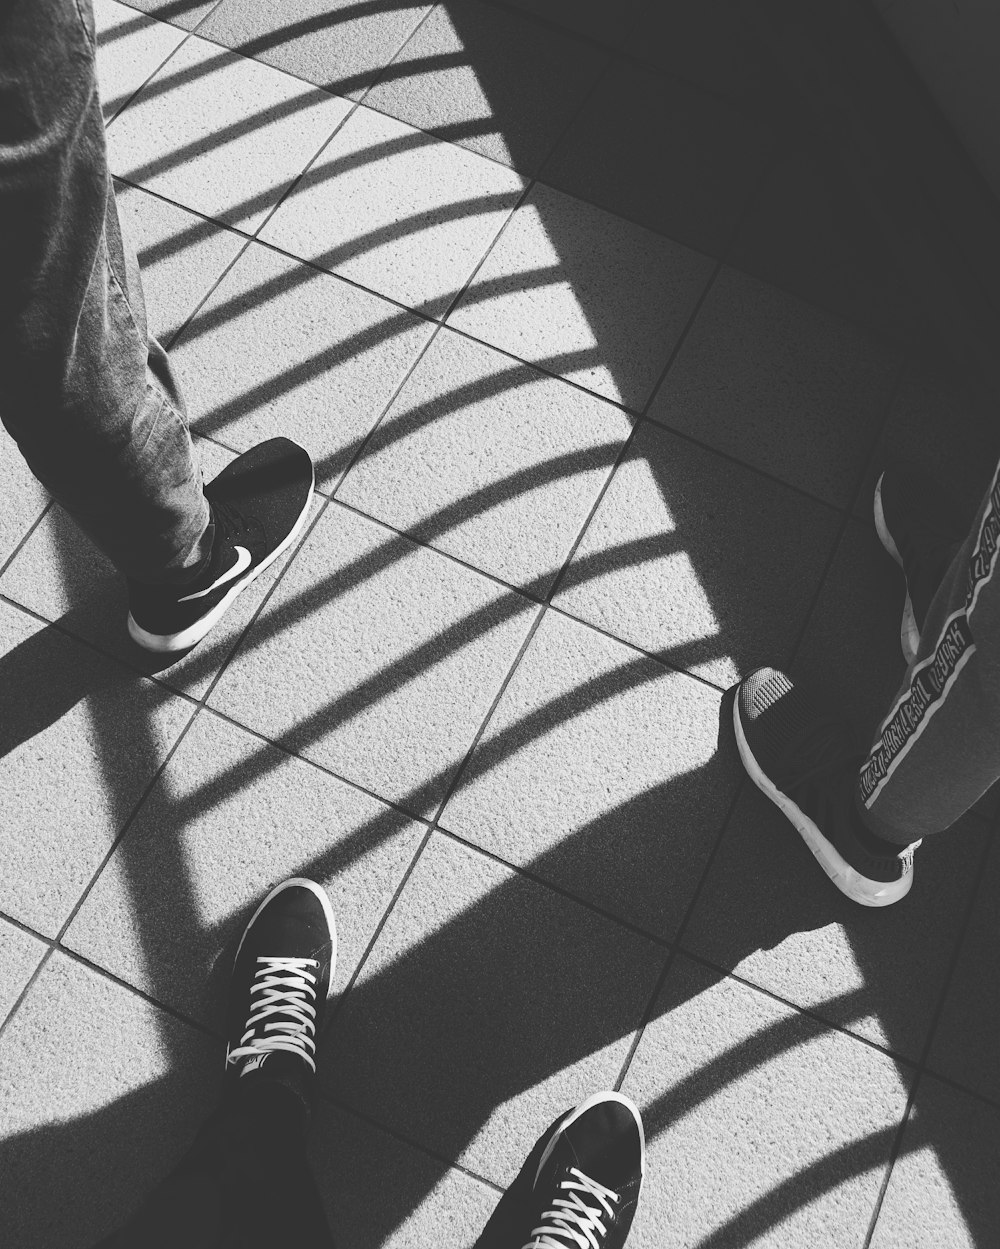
[831,1171]
[142,21]
[164,84]
[302,605]
[176,243]
[519,736]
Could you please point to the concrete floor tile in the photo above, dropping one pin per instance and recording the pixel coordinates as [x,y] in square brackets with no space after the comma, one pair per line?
[230,818]
[376,658]
[600,771]
[768,913]
[397,211]
[489,80]
[100,1094]
[22,500]
[80,739]
[337,44]
[766,1127]
[184,13]
[850,653]
[130,46]
[698,559]
[943,1192]
[945,430]
[20,954]
[806,231]
[490,460]
[595,19]
[663,154]
[585,294]
[779,385]
[221,134]
[419,1201]
[707,43]
[62,576]
[965,1043]
[488,1006]
[180,257]
[281,347]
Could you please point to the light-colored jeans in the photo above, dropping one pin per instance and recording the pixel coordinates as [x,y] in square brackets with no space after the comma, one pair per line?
[85,390]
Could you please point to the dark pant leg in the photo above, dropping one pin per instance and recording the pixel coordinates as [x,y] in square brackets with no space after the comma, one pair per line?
[244,1184]
[938,748]
[85,393]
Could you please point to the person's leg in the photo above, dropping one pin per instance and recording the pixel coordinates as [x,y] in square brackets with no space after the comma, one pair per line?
[863,814]
[936,751]
[246,1183]
[87,395]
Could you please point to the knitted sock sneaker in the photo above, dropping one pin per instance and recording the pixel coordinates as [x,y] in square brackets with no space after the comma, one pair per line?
[280,984]
[806,762]
[259,504]
[921,528]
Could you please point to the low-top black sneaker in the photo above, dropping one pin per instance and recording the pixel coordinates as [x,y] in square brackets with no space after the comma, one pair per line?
[806,761]
[259,504]
[585,1188]
[921,528]
[281,981]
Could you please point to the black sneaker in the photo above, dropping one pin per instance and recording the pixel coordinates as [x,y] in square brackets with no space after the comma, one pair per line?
[281,981]
[921,528]
[806,762]
[259,505]
[585,1188]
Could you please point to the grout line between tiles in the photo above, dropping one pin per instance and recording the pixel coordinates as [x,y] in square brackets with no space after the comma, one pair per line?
[391,803]
[251,238]
[346,1108]
[24,540]
[848,514]
[148,79]
[338,1006]
[921,1066]
[626,445]
[647,1016]
[22,996]
[877,335]
[531,597]
[107,656]
[449,790]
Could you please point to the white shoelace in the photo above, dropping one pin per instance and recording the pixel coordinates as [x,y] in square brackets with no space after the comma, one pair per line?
[282,986]
[574,1220]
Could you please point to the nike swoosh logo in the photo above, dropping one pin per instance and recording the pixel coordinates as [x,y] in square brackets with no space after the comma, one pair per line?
[243,558]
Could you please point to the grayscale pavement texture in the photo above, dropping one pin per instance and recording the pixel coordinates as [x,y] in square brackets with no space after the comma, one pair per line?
[596,354]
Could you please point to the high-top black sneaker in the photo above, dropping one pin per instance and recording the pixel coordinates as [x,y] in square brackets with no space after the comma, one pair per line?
[585,1188]
[259,504]
[281,981]
[921,528]
[805,760]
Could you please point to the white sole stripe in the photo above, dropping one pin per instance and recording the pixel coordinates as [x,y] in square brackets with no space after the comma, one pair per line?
[168,643]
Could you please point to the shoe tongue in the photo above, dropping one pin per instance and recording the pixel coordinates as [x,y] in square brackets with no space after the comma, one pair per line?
[601,1145]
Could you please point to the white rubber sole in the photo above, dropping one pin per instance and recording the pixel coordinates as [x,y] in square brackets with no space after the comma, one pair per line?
[324,901]
[909,634]
[595,1099]
[169,643]
[848,880]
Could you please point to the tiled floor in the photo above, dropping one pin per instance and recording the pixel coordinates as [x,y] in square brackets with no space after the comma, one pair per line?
[594,352]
